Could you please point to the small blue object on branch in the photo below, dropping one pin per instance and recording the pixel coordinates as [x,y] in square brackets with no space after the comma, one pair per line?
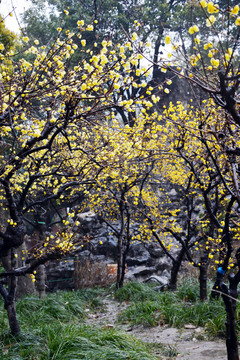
[221,271]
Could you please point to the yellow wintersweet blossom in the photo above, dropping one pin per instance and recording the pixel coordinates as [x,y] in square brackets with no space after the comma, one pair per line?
[104,59]
[89,28]
[203,3]
[197,40]
[25,39]
[235,10]
[210,54]
[167,40]
[193,29]
[80,23]
[155,98]
[138,72]
[83,87]
[134,36]
[228,54]
[210,21]
[212,8]
[83,42]
[237,22]
[95,58]
[215,62]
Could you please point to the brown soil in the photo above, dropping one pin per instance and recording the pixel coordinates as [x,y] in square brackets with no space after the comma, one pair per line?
[185,344]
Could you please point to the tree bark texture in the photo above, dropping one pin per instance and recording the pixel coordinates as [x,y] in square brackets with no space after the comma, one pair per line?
[9,295]
[12,317]
[203,276]
[41,281]
[203,282]
[175,270]
[231,335]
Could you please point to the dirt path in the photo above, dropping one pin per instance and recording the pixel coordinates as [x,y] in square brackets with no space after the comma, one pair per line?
[184,343]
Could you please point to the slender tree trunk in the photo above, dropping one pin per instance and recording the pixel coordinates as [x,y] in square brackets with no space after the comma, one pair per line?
[231,335]
[119,283]
[120,279]
[124,261]
[215,294]
[41,281]
[203,282]
[121,246]
[9,305]
[9,298]
[230,295]
[175,270]
[121,266]
[120,263]
[231,340]
[12,317]
[203,276]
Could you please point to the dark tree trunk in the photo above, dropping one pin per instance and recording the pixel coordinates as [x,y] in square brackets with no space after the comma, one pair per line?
[9,296]
[12,317]
[172,285]
[120,263]
[121,274]
[120,279]
[203,276]
[123,270]
[215,293]
[203,282]
[231,335]
[230,295]
[9,305]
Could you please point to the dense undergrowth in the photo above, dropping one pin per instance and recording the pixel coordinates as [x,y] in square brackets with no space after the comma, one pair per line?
[55,327]
[151,308]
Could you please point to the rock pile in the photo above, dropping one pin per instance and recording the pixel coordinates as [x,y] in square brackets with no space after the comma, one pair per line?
[143,260]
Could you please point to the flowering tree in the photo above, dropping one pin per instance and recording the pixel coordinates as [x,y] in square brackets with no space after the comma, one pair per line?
[50,116]
[130,155]
[213,67]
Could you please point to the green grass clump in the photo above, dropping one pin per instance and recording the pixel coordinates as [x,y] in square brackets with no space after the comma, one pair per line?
[72,342]
[150,308]
[135,292]
[53,328]
[144,313]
